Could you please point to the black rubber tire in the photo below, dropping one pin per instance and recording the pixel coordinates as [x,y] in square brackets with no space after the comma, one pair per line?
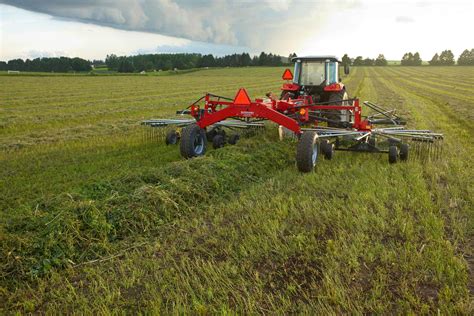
[171,137]
[210,134]
[404,149]
[392,154]
[221,132]
[372,142]
[193,141]
[305,150]
[233,139]
[336,98]
[218,141]
[327,149]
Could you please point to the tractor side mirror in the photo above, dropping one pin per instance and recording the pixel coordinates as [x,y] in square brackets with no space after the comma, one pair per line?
[346,69]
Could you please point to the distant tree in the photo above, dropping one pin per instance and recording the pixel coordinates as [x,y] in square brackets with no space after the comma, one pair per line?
[381,61]
[125,65]
[290,57]
[79,64]
[446,58]
[16,64]
[417,59]
[346,60]
[358,61]
[262,59]
[245,60]
[407,59]
[167,65]
[435,60]
[466,58]
[369,62]
[208,61]
[3,66]
[255,61]
[112,62]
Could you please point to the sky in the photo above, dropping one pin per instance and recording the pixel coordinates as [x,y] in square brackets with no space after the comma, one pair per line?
[94,28]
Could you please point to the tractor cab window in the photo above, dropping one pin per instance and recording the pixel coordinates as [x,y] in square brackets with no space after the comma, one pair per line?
[312,73]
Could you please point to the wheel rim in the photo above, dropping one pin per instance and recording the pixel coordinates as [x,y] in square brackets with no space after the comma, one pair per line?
[198,144]
[314,156]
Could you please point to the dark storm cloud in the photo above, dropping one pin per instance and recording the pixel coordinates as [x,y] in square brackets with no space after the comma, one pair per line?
[244,22]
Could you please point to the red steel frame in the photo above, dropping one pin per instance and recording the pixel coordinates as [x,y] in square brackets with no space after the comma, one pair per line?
[216,110]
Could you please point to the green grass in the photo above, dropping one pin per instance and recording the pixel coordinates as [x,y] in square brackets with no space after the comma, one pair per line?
[95,219]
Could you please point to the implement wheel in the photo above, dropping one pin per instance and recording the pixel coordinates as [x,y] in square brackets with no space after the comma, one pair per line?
[218,141]
[327,149]
[233,139]
[404,152]
[171,137]
[307,151]
[193,141]
[392,154]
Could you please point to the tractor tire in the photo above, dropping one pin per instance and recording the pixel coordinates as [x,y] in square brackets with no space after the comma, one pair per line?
[218,141]
[404,152]
[171,138]
[327,149]
[307,151]
[336,98]
[193,141]
[392,154]
[233,139]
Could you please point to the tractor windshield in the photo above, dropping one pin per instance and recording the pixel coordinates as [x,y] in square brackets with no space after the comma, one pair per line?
[312,73]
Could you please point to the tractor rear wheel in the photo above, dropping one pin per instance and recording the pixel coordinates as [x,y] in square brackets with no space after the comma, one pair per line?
[392,154]
[337,98]
[307,151]
[193,141]
[171,137]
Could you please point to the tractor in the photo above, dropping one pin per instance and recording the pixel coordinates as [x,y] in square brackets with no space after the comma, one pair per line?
[318,77]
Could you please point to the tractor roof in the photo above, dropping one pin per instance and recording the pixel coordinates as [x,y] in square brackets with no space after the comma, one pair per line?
[315,58]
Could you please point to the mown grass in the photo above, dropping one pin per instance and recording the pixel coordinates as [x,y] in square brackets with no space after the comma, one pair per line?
[106,222]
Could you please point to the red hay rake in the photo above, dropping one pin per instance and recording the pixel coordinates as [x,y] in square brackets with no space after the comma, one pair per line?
[314,124]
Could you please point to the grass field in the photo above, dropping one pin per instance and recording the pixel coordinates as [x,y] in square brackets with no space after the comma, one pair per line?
[96,220]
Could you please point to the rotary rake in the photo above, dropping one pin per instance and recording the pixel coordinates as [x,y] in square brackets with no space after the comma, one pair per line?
[321,126]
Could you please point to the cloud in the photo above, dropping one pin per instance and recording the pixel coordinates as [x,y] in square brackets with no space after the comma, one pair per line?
[404,19]
[245,23]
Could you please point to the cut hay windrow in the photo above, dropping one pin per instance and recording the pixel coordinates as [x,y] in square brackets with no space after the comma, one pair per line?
[71,229]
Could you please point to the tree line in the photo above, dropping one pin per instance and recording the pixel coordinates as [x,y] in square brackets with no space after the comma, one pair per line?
[150,62]
[47,64]
[446,58]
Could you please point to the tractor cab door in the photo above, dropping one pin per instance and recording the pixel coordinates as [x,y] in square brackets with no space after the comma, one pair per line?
[331,72]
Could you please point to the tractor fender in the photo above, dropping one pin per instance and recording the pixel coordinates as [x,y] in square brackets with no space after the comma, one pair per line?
[290,87]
